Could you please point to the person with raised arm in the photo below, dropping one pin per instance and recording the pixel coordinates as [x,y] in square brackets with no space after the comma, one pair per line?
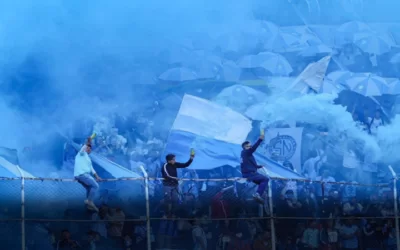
[170,175]
[84,172]
[249,167]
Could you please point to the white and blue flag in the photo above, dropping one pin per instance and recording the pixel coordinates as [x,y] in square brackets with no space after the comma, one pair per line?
[9,165]
[216,133]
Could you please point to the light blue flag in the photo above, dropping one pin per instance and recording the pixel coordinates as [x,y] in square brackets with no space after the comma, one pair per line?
[9,165]
[216,133]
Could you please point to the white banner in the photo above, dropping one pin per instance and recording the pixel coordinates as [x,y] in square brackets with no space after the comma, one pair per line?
[284,144]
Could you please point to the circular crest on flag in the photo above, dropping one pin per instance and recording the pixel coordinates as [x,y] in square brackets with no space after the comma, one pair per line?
[282,147]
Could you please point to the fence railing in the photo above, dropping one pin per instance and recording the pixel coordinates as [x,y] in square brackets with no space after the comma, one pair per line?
[291,207]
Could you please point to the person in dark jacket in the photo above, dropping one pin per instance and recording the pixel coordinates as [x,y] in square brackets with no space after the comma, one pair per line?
[170,174]
[249,168]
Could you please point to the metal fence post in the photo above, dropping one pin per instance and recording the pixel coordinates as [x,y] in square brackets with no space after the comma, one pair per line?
[22,209]
[396,209]
[271,212]
[146,193]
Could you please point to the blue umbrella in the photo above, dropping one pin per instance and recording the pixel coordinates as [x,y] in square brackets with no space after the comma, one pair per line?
[367,84]
[330,87]
[372,44]
[178,75]
[230,71]
[275,63]
[394,88]
[395,58]
[338,76]
[313,50]
[345,33]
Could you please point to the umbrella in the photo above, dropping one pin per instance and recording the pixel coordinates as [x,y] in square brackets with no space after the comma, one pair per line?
[395,58]
[176,55]
[325,33]
[367,84]
[353,27]
[330,87]
[280,40]
[315,49]
[345,33]
[339,76]
[372,44]
[250,62]
[394,88]
[239,97]
[205,64]
[229,43]
[178,75]
[230,71]
[276,64]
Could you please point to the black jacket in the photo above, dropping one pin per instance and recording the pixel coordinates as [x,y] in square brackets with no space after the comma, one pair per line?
[169,170]
[249,164]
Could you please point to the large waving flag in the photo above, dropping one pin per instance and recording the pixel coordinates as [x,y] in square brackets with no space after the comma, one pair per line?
[9,165]
[216,133]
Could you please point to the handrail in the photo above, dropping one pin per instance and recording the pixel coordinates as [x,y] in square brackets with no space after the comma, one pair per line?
[200,179]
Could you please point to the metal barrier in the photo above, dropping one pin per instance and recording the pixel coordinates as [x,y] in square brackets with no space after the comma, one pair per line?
[293,214]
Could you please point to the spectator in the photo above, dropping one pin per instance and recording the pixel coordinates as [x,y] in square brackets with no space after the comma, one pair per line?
[329,236]
[199,236]
[311,165]
[371,238]
[373,208]
[92,238]
[192,185]
[389,236]
[388,209]
[263,241]
[128,242]
[66,243]
[352,207]
[311,236]
[83,171]
[375,122]
[324,186]
[349,234]
[249,168]
[167,231]
[141,235]
[116,224]
[170,175]
[100,226]
[219,205]
[237,242]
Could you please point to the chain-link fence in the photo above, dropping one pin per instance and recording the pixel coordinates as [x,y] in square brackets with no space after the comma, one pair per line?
[203,213]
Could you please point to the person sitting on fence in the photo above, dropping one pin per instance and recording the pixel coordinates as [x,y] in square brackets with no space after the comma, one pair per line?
[83,171]
[249,168]
[170,175]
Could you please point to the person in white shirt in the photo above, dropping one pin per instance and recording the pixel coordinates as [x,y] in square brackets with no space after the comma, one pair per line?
[312,165]
[375,122]
[83,172]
